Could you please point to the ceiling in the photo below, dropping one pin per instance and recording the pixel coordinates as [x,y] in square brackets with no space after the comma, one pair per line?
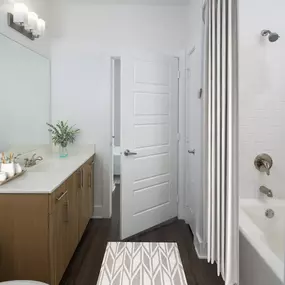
[142,2]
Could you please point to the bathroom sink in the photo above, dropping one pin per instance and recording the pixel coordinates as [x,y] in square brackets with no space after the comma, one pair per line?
[41,167]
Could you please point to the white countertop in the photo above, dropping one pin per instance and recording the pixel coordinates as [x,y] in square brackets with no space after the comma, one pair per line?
[50,173]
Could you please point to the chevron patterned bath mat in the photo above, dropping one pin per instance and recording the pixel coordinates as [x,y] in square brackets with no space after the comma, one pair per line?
[142,264]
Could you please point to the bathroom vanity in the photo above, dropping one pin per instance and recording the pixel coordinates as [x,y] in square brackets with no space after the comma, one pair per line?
[43,215]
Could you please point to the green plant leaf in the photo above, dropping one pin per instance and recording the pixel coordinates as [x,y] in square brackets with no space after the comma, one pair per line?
[62,134]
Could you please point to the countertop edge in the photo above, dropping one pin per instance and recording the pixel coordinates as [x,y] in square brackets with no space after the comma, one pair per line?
[53,188]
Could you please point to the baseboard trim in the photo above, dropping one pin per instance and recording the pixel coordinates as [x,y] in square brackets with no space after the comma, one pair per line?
[200,247]
[98,212]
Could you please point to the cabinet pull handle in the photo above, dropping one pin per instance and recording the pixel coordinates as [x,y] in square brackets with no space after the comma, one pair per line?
[66,205]
[61,196]
[81,178]
[90,180]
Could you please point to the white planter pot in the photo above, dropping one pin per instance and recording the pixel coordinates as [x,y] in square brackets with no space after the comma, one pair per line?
[18,168]
[3,176]
[9,168]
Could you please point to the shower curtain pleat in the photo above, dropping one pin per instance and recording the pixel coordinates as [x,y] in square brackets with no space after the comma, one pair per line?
[213,110]
[221,134]
[209,137]
[218,165]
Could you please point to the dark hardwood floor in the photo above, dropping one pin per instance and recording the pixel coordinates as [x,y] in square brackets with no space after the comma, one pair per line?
[86,263]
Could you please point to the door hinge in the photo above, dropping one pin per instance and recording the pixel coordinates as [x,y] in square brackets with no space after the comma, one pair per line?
[178,74]
[178,137]
[177,199]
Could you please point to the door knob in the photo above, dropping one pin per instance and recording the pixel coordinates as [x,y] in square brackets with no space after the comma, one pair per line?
[127,152]
[193,151]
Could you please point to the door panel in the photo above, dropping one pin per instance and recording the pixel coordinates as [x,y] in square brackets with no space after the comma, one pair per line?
[193,142]
[151,135]
[151,104]
[148,167]
[149,129]
[150,197]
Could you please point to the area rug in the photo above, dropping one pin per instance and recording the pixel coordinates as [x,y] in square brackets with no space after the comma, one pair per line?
[142,264]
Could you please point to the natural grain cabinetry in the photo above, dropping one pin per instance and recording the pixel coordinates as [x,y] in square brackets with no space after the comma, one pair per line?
[90,164]
[82,199]
[60,225]
[40,232]
[86,194]
[73,212]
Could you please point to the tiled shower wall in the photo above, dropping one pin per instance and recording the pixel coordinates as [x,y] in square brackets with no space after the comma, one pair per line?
[262,96]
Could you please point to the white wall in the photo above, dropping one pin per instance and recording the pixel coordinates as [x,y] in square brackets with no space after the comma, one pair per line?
[42,8]
[261,95]
[87,36]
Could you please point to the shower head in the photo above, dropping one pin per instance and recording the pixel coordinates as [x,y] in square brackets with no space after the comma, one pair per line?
[272,37]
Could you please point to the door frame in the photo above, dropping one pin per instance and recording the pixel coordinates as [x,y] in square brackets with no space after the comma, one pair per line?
[111,160]
[181,145]
[189,214]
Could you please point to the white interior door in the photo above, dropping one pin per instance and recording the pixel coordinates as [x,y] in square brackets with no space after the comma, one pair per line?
[149,112]
[193,141]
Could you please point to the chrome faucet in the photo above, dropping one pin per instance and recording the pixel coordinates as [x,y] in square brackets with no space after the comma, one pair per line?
[266,165]
[263,163]
[266,191]
[33,160]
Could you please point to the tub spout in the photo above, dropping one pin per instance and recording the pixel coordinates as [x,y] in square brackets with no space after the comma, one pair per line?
[266,191]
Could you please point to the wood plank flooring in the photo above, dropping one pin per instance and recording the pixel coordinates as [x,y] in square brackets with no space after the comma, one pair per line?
[86,263]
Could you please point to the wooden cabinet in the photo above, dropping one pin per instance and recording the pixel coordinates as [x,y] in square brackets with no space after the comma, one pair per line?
[40,232]
[86,194]
[91,186]
[59,224]
[73,214]
[83,197]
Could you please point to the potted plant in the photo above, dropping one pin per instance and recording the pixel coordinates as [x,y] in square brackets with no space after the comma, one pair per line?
[62,135]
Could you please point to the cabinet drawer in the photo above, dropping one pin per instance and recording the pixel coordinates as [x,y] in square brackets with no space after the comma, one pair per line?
[57,196]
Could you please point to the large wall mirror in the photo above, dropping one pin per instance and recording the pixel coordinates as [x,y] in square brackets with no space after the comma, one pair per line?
[24,96]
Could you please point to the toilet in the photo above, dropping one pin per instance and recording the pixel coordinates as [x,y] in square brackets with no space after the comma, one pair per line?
[22,282]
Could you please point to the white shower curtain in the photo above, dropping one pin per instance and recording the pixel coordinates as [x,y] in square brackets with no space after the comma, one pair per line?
[220,122]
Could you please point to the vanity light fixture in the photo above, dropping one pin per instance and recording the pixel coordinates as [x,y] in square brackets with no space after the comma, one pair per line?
[25,22]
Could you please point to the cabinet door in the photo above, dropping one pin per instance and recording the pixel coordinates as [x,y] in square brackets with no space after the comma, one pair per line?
[59,224]
[72,218]
[82,198]
[85,178]
[91,186]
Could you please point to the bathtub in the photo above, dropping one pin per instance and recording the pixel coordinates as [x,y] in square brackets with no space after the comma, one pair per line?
[262,242]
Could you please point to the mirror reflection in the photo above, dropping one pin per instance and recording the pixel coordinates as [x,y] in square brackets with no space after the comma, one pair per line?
[24,96]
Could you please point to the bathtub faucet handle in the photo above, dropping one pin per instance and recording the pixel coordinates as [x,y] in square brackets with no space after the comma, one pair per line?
[263,163]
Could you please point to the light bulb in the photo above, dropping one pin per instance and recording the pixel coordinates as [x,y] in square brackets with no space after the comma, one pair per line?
[20,13]
[41,26]
[32,21]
